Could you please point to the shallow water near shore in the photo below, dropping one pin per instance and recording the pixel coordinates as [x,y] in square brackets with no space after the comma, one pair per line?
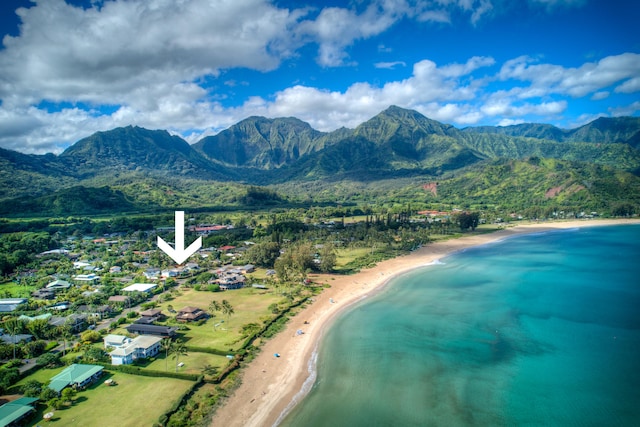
[541,329]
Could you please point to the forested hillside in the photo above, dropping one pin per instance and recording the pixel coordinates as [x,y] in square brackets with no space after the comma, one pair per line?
[134,169]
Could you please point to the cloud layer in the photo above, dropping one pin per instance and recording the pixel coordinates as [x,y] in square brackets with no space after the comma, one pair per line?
[156,63]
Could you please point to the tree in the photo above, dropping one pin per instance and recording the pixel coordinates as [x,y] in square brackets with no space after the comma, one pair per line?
[34,348]
[32,388]
[65,333]
[468,220]
[68,394]
[166,345]
[179,349]
[327,258]
[14,327]
[94,354]
[38,328]
[227,309]
[55,403]
[49,360]
[8,377]
[90,336]
[214,307]
[294,263]
[263,254]
[47,394]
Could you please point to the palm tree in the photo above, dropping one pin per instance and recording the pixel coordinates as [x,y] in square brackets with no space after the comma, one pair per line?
[179,349]
[65,332]
[13,327]
[227,309]
[214,307]
[166,345]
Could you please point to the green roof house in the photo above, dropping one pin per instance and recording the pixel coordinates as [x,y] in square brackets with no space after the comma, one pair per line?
[12,413]
[77,375]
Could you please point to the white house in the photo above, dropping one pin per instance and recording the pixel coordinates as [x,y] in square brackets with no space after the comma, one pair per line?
[152,273]
[142,346]
[112,340]
[86,278]
[169,273]
[140,287]
[58,285]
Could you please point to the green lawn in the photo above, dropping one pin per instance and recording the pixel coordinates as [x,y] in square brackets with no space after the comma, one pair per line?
[193,363]
[16,290]
[135,401]
[42,375]
[345,256]
[250,306]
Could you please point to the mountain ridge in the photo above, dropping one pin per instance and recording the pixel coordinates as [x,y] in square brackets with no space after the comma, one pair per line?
[257,150]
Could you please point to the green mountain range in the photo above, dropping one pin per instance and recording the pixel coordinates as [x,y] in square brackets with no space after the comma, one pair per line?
[396,144]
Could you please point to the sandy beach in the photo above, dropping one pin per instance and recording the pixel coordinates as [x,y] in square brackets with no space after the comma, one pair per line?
[271,386]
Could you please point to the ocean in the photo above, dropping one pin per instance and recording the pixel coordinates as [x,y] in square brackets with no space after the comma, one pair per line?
[535,330]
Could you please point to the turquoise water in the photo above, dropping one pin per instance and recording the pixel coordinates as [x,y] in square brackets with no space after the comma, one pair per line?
[537,330]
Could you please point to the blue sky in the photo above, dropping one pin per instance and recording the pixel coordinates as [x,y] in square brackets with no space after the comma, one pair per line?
[195,67]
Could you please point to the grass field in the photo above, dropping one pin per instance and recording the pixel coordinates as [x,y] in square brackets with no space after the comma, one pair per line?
[42,375]
[250,306]
[193,363]
[135,401]
[16,290]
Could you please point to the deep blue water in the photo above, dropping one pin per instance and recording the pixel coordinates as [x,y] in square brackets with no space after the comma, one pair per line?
[537,330]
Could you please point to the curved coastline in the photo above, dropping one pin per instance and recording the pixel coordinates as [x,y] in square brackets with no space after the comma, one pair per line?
[271,387]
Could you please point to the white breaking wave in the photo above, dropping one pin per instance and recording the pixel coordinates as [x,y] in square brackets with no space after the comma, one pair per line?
[306,386]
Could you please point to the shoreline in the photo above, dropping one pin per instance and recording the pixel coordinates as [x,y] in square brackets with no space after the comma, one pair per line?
[271,387]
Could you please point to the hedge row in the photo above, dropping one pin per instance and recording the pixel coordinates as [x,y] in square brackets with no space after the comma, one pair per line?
[164,418]
[197,349]
[134,370]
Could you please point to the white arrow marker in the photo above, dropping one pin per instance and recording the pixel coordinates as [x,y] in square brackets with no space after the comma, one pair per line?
[179,254]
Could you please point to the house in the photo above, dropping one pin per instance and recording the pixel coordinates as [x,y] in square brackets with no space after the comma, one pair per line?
[10,304]
[86,278]
[26,318]
[161,331]
[113,340]
[13,413]
[43,294]
[123,299]
[59,306]
[83,265]
[76,375]
[115,269]
[249,268]
[94,311]
[58,285]
[153,314]
[16,339]
[140,347]
[54,252]
[140,287]
[165,274]
[152,273]
[191,314]
[191,266]
[231,281]
[77,322]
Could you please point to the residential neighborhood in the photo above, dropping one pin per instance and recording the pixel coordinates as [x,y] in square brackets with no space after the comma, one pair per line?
[110,305]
